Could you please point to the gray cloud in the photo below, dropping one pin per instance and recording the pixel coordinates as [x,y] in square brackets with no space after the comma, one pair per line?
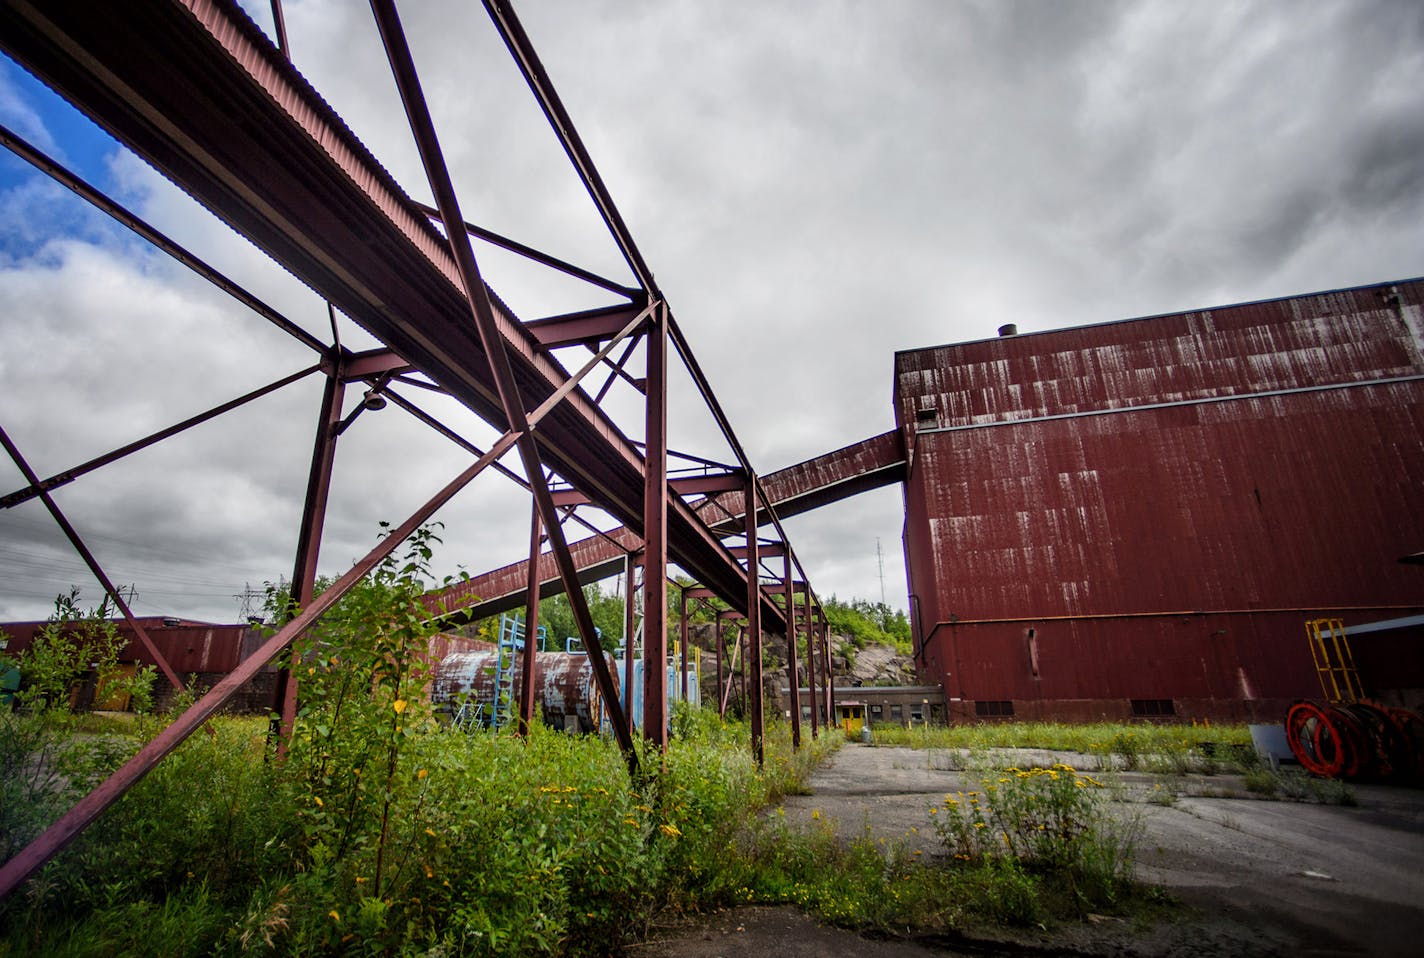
[815,186]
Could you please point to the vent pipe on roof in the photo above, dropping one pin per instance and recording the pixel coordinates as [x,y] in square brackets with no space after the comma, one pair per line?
[1009,329]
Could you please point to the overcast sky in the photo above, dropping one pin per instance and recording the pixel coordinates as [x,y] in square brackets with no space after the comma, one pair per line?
[815,185]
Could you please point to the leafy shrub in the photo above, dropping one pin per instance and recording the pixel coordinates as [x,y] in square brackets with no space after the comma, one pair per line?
[1050,820]
[868,623]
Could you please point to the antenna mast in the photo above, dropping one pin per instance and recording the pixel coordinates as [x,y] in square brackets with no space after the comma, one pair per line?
[880,559]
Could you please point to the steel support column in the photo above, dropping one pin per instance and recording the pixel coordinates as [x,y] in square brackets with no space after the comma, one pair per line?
[494,348]
[531,628]
[309,540]
[791,668]
[655,503]
[810,669]
[825,630]
[91,562]
[754,621]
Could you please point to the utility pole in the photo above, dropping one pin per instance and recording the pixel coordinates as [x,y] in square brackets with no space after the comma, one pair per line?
[880,559]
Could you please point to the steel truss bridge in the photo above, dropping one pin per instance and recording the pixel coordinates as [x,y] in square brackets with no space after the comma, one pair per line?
[200,92]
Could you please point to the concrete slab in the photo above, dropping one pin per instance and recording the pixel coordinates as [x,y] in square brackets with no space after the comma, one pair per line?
[1258,877]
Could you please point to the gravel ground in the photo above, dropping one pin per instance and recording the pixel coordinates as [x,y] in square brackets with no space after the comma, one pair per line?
[1255,877]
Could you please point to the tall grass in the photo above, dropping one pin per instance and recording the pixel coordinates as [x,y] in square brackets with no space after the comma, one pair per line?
[494,845]
[1128,746]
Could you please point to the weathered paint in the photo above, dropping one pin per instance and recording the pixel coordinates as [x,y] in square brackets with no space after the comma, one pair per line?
[188,647]
[859,467]
[1069,491]
[566,689]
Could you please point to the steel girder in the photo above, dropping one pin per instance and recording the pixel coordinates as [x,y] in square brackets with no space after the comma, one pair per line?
[196,89]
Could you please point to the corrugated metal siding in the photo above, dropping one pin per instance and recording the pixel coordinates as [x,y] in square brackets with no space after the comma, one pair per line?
[1293,501]
[1207,664]
[188,648]
[1345,336]
[1299,500]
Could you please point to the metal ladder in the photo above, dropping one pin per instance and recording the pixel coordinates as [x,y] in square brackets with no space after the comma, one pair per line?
[511,642]
[1334,663]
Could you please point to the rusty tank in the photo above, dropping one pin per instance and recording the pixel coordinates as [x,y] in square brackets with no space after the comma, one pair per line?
[480,689]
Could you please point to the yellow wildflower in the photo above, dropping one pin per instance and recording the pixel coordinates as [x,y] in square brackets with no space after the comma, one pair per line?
[816,813]
[334,915]
[399,706]
[317,799]
[421,773]
[670,830]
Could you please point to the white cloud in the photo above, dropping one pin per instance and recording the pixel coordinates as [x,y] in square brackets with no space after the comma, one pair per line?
[814,187]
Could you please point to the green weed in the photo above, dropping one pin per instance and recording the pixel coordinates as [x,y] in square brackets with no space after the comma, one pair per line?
[1049,821]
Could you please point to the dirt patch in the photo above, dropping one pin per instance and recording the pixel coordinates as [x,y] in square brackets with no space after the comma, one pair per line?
[1254,878]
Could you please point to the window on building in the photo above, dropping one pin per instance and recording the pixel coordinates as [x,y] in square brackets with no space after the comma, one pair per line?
[877,710]
[917,713]
[897,713]
[806,713]
[986,708]
[928,418]
[1151,708]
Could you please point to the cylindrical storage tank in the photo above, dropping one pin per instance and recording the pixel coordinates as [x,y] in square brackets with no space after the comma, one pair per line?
[565,687]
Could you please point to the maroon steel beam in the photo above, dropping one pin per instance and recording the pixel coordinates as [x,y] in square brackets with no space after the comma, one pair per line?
[569,384]
[69,475]
[589,571]
[279,24]
[569,497]
[90,561]
[810,672]
[503,16]
[585,328]
[372,362]
[491,341]
[304,564]
[754,621]
[432,387]
[791,666]
[196,88]
[743,646]
[830,675]
[616,373]
[761,550]
[531,629]
[101,201]
[779,585]
[53,839]
[701,485]
[655,553]
[529,252]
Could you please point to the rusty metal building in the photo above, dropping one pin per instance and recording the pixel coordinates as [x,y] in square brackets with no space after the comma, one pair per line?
[1136,518]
